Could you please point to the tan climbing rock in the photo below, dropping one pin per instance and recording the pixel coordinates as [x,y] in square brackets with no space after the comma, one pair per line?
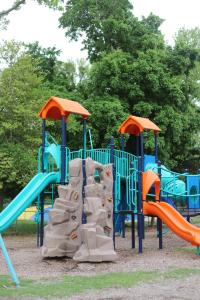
[97,242]
[62,236]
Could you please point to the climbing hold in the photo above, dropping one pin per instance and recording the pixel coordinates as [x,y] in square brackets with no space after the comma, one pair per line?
[75,196]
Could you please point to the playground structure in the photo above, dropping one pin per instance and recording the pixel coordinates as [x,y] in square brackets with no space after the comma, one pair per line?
[137,180]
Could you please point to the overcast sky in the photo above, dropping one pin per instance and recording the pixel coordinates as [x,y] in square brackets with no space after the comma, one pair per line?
[33,22]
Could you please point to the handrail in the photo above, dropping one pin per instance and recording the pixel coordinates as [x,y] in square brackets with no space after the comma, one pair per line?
[126,165]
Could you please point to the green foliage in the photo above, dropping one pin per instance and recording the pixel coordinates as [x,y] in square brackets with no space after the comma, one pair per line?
[109,25]
[20,128]
[148,77]
[106,115]
[104,24]
[46,58]
[21,228]
[10,51]
[132,71]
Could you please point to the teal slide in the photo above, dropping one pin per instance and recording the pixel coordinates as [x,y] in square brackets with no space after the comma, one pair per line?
[37,184]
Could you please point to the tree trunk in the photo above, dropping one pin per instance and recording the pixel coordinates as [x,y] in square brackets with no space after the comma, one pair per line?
[1,201]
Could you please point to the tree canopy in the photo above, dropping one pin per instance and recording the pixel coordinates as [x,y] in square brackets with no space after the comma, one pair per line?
[131,70]
[132,63]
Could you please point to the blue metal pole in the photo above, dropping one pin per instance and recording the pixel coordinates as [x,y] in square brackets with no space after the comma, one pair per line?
[40,228]
[159,221]
[140,221]
[156,146]
[122,142]
[84,138]
[43,142]
[198,172]
[63,150]
[187,197]
[112,161]
[9,263]
[142,170]
[133,217]
[123,207]
[84,218]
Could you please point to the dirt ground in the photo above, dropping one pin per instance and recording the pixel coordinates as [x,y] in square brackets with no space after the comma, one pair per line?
[28,263]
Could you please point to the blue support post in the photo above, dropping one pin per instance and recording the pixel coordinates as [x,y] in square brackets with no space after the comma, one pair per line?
[63,150]
[133,230]
[43,142]
[9,263]
[159,221]
[123,207]
[141,137]
[84,138]
[198,172]
[132,219]
[187,198]
[112,161]
[140,215]
[122,142]
[156,146]
[84,219]
[40,228]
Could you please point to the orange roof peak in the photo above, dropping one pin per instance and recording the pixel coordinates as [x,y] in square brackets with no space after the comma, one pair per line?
[56,107]
[135,125]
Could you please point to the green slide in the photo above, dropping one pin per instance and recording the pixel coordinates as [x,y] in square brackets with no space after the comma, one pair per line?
[25,198]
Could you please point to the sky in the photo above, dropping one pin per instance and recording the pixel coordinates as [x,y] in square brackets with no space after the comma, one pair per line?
[33,22]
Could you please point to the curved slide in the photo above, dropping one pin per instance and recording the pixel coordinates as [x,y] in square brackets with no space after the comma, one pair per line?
[173,220]
[37,184]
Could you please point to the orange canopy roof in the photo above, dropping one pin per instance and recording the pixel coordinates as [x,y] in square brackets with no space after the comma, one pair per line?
[55,108]
[135,125]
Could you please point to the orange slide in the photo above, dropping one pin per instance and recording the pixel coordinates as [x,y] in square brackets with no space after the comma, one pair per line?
[173,220]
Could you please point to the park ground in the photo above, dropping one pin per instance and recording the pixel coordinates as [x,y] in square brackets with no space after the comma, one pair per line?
[171,273]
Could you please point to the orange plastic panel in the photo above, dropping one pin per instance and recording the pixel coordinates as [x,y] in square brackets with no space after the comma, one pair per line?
[55,108]
[148,179]
[135,125]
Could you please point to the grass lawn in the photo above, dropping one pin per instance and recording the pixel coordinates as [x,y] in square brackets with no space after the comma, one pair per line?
[71,285]
[22,228]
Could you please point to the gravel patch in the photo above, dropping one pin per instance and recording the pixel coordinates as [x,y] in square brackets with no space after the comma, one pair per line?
[28,263]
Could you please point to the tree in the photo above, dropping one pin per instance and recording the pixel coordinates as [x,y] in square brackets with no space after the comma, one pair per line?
[46,58]
[187,48]
[131,62]
[106,26]
[10,51]
[20,127]
[107,113]
[146,88]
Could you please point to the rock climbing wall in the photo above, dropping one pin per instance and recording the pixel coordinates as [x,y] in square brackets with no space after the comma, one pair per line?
[97,234]
[62,235]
